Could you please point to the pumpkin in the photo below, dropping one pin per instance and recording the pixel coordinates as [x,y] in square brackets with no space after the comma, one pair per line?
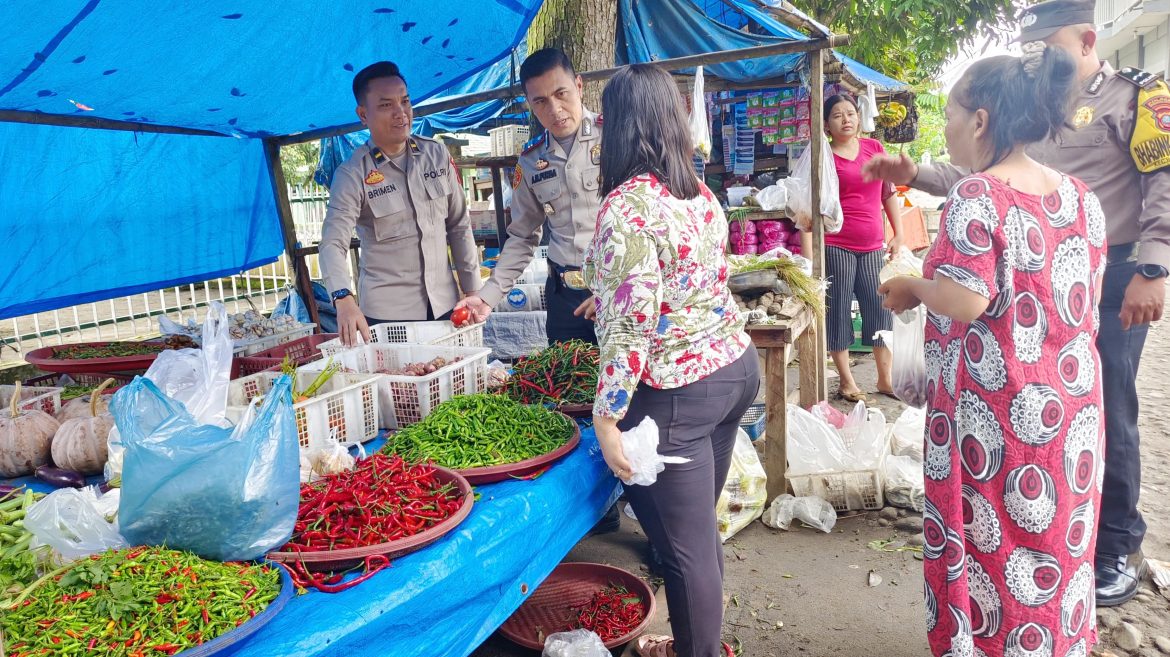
[80,443]
[25,438]
[79,407]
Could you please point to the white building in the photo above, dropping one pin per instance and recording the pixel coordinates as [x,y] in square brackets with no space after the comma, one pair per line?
[1135,33]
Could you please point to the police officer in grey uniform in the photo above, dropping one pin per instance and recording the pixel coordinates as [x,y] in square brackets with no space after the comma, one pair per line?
[557,178]
[402,193]
[1097,149]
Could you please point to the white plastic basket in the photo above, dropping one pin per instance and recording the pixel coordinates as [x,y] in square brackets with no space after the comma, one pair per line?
[850,490]
[256,345]
[346,407]
[405,400]
[523,297]
[542,252]
[433,333]
[41,398]
[536,273]
[508,139]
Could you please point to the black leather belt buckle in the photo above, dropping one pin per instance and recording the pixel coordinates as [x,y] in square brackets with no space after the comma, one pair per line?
[571,277]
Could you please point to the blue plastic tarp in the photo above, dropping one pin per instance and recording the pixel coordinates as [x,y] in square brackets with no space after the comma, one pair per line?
[141,212]
[95,214]
[446,599]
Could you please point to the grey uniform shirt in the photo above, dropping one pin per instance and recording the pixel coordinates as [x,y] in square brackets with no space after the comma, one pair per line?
[406,215]
[561,187]
[1096,150]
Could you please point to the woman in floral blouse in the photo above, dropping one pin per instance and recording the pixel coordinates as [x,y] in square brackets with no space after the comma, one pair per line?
[672,343]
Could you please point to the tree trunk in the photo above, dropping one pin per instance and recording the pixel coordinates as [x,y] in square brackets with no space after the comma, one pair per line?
[586,30]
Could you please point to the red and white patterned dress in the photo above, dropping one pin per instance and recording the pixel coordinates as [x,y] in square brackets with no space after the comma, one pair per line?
[1014,431]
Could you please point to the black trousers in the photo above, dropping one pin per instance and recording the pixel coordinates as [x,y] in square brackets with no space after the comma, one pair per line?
[561,324]
[1121,528]
[699,422]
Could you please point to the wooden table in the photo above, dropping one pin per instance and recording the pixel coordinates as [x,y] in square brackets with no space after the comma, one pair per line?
[778,341]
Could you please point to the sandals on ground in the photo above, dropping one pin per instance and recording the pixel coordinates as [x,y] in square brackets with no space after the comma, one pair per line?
[852,397]
[658,645]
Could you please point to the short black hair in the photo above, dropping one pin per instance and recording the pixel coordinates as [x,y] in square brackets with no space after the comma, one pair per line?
[545,60]
[646,131]
[361,81]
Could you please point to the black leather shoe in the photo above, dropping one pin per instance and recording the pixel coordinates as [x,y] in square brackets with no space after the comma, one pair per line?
[609,523]
[1118,577]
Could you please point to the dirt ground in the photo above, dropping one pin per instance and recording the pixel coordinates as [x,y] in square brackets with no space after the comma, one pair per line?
[805,592]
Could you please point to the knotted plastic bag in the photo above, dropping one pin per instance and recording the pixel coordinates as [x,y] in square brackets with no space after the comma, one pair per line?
[577,643]
[812,511]
[640,445]
[228,494]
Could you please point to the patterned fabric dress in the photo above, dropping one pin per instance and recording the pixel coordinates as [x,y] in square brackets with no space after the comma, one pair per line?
[1014,439]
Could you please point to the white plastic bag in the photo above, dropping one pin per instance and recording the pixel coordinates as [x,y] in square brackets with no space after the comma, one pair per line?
[907,342]
[799,186]
[578,643]
[745,494]
[773,198]
[199,378]
[909,432]
[813,445]
[640,446]
[700,131]
[812,511]
[76,522]
[904,484]
[903,264]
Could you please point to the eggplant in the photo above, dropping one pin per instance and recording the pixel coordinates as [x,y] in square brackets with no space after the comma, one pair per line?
[60,477]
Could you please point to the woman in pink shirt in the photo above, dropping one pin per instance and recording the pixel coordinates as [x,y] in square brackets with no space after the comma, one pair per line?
[854,256]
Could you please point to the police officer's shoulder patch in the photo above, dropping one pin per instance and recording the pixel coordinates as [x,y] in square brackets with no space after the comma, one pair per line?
[535,142]
[517,177]
[1139,78]
[1150,143]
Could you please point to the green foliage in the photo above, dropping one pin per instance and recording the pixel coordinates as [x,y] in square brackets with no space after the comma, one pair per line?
[910,39]
[931,122]
[299,161]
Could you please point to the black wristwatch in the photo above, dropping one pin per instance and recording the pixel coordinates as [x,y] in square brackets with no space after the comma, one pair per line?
[1152,271]
[341,294]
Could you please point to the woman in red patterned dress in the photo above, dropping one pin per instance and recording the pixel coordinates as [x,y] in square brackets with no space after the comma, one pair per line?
[1014,437]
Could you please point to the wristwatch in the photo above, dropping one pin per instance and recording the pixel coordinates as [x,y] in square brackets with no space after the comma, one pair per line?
[1152,271]
[341,294]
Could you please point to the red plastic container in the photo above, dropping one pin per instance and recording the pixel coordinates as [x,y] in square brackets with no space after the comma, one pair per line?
[550,607]
[54,380]
[333,560]
[300,351]
[521,469]
[45,358]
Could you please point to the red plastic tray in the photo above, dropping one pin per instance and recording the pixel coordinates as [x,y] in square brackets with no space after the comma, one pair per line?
[44,359]
[348,558]
[577,410]
[548,610]
[82,379]
[300,351]
[521,469]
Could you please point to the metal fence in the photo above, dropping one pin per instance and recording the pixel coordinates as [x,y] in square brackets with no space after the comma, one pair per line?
[137,316]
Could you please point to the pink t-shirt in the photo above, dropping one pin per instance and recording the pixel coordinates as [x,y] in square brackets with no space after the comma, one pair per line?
[861,202]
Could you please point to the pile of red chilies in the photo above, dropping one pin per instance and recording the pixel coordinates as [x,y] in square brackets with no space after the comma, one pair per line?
[382,499]
[613,612]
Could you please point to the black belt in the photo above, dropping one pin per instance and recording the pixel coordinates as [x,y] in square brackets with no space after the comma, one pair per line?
[570,277]
[1122,253]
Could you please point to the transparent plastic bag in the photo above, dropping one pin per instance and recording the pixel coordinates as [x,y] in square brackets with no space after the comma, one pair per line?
[812,511]
[773,198]
[904,483]
[76,522]
[577,643]
[908,434]
[903,264]
[293,306]
[227,494]
[640,446]
[907,342]
[700,131]
[799,186]
[745,494]
[813,445]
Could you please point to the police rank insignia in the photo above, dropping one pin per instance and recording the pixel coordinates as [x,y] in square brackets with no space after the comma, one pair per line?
[541,164]
[375,178]
[1083,117]
[587,127]
[595,153]
[548,209]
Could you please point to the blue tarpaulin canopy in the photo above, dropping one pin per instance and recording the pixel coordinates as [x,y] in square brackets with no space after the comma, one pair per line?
[97,214]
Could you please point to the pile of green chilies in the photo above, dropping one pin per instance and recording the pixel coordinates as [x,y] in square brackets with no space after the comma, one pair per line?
[565,373]
[134,603]
[475,431]
[18,564]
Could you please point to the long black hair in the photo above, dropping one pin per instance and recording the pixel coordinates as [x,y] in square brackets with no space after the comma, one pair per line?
[1023,106]
[646,131]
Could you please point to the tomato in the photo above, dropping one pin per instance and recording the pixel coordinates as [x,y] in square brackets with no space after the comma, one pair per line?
[460,317]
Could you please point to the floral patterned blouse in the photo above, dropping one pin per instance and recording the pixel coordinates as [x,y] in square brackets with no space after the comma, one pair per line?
[658,268]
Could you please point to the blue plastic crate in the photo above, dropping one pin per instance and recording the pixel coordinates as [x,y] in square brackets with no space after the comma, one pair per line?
[754,421]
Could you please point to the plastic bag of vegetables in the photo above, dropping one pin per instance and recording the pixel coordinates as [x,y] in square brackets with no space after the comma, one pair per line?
[226,494]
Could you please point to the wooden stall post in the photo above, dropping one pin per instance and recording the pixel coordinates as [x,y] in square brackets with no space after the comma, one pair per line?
[288,229]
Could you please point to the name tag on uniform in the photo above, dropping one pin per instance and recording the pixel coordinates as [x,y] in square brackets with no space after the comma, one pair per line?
[381,191]
[542,176]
